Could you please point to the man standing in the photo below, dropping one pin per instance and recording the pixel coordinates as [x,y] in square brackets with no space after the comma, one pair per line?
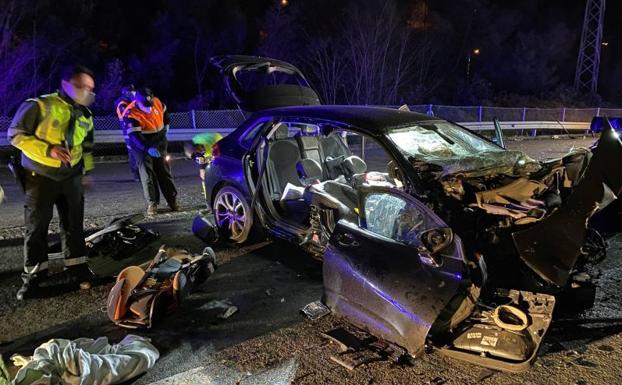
[55,135]
[122,107]
[147,124]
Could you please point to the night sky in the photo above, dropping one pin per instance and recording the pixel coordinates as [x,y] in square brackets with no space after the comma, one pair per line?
[527,49]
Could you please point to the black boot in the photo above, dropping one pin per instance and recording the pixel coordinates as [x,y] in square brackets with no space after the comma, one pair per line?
[29,287]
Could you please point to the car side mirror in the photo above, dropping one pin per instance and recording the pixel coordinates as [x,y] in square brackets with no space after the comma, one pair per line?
[436,240]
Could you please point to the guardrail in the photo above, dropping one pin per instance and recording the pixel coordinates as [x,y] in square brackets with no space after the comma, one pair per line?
[184,125]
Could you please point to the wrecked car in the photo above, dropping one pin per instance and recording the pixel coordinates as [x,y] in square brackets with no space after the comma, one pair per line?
[417,220]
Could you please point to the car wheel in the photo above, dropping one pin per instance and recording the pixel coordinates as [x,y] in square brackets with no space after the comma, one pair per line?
[233,214]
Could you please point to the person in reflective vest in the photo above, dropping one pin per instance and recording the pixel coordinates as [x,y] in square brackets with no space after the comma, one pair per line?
[200,150]
[54,133]
[146,124]
[122,107]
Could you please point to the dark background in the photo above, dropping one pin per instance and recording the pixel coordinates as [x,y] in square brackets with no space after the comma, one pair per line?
[364,52]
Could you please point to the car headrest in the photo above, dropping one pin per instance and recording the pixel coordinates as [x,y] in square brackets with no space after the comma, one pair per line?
[309,170]
[308,130]
[354,165]
[282,131]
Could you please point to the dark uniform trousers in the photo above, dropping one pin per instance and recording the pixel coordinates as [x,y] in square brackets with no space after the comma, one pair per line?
[42,194]
[155,174]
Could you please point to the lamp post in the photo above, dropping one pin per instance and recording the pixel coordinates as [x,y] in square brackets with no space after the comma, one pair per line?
[473,52]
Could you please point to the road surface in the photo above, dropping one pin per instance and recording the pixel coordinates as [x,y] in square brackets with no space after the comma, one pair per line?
[267,341]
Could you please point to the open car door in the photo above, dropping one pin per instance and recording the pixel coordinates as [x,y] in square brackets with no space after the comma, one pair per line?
[402,275]
[257,83]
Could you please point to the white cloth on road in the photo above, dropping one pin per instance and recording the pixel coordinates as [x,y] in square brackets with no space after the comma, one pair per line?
[85,361]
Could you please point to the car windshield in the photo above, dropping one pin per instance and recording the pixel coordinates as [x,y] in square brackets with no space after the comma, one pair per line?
[439,140]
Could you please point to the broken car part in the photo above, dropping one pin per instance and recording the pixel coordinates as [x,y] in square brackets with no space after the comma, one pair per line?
[225,307]
[315,310]
[552,246]
[204,228]
[141,297]
[356,347]
[412,294]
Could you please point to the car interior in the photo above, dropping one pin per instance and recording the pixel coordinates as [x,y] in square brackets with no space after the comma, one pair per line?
[311,165]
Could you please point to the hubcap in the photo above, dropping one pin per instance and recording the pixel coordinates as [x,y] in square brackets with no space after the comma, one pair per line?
[230,214]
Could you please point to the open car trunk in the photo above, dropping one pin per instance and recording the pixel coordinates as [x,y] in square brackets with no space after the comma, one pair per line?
[257,83]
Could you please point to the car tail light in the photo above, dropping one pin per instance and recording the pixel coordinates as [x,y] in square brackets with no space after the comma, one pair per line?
[215,150]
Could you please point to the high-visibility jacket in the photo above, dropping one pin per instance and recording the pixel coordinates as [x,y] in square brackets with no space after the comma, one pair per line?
[207,140]
[147,123]
[53,128]
[123,107]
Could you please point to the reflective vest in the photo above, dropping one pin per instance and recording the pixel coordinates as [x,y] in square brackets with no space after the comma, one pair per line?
[123,107]
[207,140]
[148,123]
[53,129]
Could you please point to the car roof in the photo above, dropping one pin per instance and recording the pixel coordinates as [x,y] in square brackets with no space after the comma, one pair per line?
[374,120]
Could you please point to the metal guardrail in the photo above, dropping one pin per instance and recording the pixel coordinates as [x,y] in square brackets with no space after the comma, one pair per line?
[184,125]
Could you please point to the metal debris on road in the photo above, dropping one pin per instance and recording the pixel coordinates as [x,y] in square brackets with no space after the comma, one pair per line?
[315,310]
[437,381]
[357,347]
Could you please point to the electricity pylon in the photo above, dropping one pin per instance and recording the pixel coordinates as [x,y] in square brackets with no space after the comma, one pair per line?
[588,63]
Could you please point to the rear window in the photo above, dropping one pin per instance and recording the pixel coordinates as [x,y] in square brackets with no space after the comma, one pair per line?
[253,78]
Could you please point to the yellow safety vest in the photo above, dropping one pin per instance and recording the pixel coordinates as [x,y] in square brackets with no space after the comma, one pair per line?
[55,114]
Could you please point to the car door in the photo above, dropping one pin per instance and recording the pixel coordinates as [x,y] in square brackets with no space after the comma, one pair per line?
[379,274]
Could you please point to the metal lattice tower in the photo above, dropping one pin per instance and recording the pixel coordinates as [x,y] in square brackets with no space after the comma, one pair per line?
[588,63]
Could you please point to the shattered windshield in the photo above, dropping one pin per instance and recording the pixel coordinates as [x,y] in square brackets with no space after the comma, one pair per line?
[439,140]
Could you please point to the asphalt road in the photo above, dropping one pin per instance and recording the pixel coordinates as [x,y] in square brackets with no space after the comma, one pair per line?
[267,341]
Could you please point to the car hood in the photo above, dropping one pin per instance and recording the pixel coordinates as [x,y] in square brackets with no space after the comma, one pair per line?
[257,83]
[545,205]
[488,163]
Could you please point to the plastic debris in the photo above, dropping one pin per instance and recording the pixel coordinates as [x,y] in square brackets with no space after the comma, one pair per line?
[227,307]
[315,310]
[205,229]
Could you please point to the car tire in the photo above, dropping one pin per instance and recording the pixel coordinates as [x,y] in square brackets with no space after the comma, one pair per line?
[232,214]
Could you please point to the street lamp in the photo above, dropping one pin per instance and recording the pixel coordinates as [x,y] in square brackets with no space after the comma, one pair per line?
[284,3]
[476,52]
